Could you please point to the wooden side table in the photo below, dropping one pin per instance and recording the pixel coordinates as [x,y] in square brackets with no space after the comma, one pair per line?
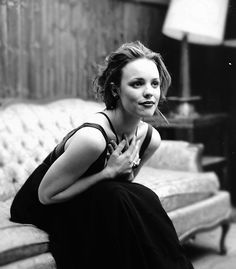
[209,129]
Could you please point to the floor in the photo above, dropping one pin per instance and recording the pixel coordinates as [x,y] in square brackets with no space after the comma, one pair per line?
[204,250]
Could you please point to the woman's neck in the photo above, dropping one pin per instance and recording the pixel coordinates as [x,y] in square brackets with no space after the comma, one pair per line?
[123,123]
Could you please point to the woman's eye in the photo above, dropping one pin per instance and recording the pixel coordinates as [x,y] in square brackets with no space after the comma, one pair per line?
[155,84]
[136,84]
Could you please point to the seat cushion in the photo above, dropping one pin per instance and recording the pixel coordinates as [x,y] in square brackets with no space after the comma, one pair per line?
[203,215]
[42,261]
[177,188]
[19,241]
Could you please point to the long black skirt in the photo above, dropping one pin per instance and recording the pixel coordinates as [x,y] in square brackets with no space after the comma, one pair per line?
[113,224]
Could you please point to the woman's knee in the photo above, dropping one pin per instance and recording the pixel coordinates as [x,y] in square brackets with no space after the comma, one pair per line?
[110,191]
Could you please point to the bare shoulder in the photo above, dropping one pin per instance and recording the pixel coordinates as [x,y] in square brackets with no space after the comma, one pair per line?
[87,137]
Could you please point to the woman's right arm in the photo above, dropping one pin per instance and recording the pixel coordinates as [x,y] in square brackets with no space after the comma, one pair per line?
[63,179]
[84,148]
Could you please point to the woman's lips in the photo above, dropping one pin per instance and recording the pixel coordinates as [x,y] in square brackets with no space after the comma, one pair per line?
[147,104]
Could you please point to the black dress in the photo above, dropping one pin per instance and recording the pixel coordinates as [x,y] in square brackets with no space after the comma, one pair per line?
[114,224]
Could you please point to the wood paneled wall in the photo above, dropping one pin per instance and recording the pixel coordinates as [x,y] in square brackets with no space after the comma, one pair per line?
[50,48]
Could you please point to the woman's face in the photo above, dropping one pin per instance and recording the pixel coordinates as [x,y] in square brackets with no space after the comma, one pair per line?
[140,88]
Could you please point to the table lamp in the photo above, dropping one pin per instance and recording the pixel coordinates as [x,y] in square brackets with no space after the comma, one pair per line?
[198,22]
[230,30]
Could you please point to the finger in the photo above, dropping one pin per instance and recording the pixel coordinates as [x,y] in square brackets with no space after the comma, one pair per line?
[127,142]
[134,139]
[134,149]
[132,146]
[134,155]
[120,147]
[108,155]
[110,149]
[131,176]
[113,144]
[137,159]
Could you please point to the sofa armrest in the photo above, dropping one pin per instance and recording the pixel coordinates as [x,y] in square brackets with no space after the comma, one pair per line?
[177,155]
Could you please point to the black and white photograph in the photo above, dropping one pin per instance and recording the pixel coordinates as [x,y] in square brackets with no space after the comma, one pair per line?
[118,134]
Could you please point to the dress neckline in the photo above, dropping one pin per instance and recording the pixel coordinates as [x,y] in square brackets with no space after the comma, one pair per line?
[113,129]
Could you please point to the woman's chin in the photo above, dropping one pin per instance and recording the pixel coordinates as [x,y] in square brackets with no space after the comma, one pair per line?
[147,113]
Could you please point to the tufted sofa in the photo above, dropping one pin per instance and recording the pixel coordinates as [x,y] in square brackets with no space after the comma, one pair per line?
[28,131]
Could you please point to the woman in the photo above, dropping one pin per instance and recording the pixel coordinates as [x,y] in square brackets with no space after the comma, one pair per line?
[83,193]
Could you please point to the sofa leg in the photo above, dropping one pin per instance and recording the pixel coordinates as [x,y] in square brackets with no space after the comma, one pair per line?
[225,229]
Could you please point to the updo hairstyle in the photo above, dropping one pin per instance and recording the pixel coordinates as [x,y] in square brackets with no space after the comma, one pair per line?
[109,75]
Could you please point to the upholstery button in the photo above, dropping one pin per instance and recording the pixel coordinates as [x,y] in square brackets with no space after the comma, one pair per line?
[23,143]
[19,161]
[41,143]
[5,145]
[41,125]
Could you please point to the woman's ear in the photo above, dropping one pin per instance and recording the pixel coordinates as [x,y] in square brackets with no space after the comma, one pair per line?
[114,90]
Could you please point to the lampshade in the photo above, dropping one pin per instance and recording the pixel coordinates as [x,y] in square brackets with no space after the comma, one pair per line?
[199,22]
[203,21]
[230,30]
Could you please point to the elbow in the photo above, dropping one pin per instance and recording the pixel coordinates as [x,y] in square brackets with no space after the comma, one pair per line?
[43,200]
[43,197]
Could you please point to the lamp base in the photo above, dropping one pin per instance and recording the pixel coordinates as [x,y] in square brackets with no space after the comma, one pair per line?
[184,107]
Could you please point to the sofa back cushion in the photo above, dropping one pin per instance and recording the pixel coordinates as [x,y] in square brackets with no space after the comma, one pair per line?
[177,155]
[29,131]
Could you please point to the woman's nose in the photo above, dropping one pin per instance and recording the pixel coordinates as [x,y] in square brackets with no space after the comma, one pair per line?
[148,90]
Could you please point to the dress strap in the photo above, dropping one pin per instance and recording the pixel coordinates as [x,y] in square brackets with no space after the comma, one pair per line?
[146,141]
[97,126]
[60,147]
[87,124]
[111,125]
